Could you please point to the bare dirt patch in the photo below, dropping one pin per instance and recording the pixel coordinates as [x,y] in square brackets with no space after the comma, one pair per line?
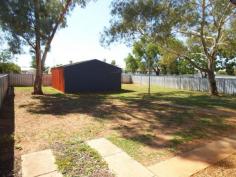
[226,167]
[150,129]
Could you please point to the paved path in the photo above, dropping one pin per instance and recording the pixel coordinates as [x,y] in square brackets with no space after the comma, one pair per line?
[195,160]
[42,164]
[121,164]
[39,164]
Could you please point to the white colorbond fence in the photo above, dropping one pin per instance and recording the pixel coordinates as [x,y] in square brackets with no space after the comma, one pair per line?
[126,79]
[28,79]
[3,88]
[224,85]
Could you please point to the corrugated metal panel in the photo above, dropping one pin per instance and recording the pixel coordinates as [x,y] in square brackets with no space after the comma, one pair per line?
[92,76]
[58,79]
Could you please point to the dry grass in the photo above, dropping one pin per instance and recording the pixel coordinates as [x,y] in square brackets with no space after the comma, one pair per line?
[149,128]
[224,168]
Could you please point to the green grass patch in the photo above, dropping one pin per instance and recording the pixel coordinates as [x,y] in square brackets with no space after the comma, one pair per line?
[182,137]
[46,90]
[181,97]
[135,147]
[75,158]
[128,145]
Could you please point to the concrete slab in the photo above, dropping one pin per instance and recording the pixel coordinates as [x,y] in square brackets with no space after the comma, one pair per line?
[119,162]
[104,147]
[39,164]
[52,174]
[195,160]
[122,165]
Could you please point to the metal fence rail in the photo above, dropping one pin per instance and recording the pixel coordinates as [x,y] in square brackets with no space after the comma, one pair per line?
[3,88]
[225,85]
[28,79]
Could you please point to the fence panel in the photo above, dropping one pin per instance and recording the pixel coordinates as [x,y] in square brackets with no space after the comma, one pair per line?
[230,86]
[225,85]
[28,79]
[126,79]
[21,79]
[3,88]
[47,80]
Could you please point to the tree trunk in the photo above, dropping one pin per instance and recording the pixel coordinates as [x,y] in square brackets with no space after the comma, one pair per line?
[38,77]
[212,83]
[157,71]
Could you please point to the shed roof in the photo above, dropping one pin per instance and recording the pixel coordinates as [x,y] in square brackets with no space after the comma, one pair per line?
[86,61]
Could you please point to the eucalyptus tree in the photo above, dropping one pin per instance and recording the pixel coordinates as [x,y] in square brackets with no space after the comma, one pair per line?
[131,63]
[194,30]
[34,23]
[148,52]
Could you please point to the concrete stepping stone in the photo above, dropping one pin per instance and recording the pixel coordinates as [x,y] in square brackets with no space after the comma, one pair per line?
[119,162]
[39,164]
[198,159]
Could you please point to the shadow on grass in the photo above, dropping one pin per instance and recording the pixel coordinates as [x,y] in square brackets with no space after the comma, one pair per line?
[94,104]
[179,115]
[7,129]
[186,98]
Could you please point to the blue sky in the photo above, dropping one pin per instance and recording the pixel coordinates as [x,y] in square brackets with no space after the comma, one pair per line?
[80,39]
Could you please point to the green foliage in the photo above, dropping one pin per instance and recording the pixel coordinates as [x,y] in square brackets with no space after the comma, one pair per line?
[145,56]
[131,63]
[6,56]
[226,61]
[113,62]
[34,23]
[9,68]
[132,19]
[33,65]
[184,67]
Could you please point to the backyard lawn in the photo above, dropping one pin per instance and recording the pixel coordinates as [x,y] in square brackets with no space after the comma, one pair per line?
[149,128]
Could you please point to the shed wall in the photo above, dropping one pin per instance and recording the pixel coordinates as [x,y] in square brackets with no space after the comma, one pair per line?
[58,81]
[94,76]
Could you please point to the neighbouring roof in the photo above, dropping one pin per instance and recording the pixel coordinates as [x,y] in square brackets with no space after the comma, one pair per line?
[86,61]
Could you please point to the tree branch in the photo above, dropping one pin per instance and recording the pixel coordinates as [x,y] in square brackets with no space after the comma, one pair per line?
[59,21]
[202,28]
[187,58]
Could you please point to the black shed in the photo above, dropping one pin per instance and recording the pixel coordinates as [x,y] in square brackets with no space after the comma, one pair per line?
[87,76]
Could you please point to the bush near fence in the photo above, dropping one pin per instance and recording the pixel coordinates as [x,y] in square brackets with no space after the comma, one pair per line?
[3,88]
[224,85]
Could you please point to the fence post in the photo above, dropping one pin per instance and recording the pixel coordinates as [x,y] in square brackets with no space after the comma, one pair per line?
[180,82]
[164,81]
[224,86]
[199,84]
[32,79]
